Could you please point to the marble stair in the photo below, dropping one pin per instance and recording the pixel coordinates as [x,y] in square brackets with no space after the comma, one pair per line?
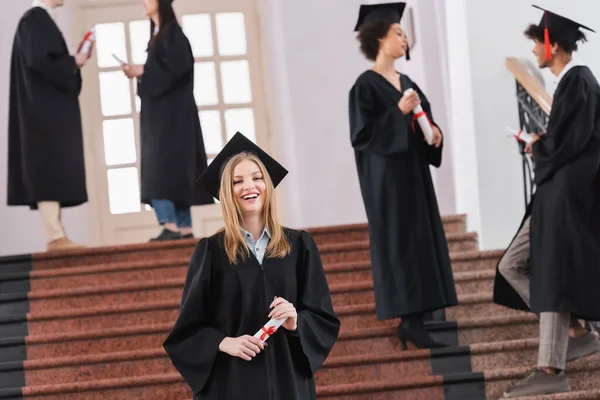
[89,324]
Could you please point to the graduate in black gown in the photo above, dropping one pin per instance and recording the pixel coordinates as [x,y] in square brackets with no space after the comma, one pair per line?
[558,279]
[250,271]
[172,147]
[409,253]
[46,169]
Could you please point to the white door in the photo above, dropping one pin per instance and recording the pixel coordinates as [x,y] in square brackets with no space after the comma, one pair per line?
[228,91]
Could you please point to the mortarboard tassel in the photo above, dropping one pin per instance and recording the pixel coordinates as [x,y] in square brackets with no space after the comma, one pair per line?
[407,52]
[547,38]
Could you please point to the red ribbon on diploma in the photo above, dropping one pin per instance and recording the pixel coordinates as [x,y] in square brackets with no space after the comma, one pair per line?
[417,116]
[267,332]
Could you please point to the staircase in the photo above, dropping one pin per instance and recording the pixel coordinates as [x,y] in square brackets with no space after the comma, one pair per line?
[89,324]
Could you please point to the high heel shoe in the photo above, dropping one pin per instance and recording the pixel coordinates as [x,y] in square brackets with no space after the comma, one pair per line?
[419,337]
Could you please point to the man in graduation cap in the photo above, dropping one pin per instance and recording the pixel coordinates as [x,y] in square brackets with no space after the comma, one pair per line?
[552,265]
[45,161]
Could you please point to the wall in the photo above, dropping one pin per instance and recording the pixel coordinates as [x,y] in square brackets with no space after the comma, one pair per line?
[314,62]
[21,232]
[481,34]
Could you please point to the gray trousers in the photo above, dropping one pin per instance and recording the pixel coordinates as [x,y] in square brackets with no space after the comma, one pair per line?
[554,326]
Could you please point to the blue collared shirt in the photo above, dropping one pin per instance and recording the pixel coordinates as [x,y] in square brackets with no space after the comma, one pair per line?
[257,247]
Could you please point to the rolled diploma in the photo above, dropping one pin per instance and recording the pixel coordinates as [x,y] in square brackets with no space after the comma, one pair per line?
[423,120]
[520,134]
[88,39]
[269,329]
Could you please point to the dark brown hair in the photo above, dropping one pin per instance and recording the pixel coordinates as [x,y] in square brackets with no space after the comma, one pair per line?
[569,45]
[369,35]
[166,14]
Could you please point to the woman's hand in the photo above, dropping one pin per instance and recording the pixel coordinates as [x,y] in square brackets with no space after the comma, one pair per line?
[409,102]
[437,136]
[529,147]
[133,71]
[284,309]
[245,347]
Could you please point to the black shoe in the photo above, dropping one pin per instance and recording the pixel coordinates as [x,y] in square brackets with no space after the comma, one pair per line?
[412,330]
[188,236]
[166,234]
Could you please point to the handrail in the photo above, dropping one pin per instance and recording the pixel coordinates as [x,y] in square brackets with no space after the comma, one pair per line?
[536,90]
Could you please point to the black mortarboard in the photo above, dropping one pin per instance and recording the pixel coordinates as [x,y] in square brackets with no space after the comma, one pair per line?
[211,177]
[559,26]
[381,12]
[376,12]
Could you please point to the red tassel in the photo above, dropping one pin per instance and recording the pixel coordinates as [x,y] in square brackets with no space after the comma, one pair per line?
[547,38]
[547,44]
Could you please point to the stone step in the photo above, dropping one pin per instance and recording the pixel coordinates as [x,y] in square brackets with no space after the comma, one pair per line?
[67,298]
[454,226]
[357,232]
[469,386]
[378,341]
[475,386]
[96,317]
[335,370]
[164,269]
[359,250]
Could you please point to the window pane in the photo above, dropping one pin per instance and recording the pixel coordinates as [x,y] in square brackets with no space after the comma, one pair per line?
[211,131]
[205,84]
[241,120]
[138,101]
[110,39]
[114,93]
[198,29]
[139,35]
[123,190]
[236,82]
[119,141]
[231,34]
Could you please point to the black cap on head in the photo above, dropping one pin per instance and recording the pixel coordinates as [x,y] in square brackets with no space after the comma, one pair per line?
[558,26]
[380,12]
[558,23]
[211,177]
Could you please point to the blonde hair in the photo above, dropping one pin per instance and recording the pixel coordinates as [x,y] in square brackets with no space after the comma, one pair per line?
[235,246]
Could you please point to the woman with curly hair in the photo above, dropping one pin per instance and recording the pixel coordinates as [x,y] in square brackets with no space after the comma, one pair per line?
[409,254]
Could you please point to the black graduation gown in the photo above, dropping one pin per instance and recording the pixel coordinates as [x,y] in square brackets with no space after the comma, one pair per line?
[409,252]
[45,139]
[173,154]
[565,215]
[223,300]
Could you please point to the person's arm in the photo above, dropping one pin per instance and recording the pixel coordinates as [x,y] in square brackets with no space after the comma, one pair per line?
[174,61]
[570,128]
[376,130]
[432,153]
[317,326]
[45,54]
[193,344]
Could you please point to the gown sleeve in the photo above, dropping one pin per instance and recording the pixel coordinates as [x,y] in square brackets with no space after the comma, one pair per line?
[45,53]
[432,154]
[173,61]
[193,344]
[318,327]
[373,129]
[571,125]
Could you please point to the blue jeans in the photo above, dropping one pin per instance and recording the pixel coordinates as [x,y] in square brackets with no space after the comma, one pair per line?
[167,212]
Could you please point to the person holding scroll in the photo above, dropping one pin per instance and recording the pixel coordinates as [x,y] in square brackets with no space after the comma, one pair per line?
[172,146]
[552,266]
[409,253]
[249,272]
[46,169]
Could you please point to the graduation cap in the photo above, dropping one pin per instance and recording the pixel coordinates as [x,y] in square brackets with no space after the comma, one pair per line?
[211,177]
[381,12]
[559,26]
